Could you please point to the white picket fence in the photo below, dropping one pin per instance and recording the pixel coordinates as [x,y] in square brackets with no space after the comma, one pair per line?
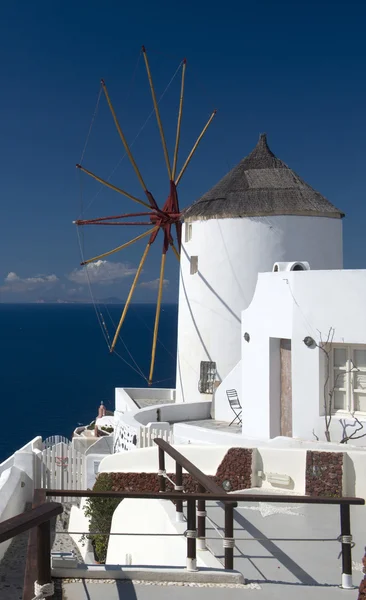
[147,436]
[62,469]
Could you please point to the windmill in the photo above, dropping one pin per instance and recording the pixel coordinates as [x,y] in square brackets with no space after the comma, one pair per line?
[164,219]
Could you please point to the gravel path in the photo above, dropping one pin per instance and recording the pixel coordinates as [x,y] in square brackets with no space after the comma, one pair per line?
[64,543]
[12,566]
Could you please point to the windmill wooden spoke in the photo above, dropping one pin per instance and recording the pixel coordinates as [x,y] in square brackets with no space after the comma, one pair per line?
[123,216]
[165,217]
[129,297]
[156,108]
[134,223]
[179,122]
[176,253]
[112,187]
[157,315]
[195,147]
[136,239]
[127,148]
[121,135]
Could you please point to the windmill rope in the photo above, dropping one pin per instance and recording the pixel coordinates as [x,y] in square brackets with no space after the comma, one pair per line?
[99,315]
[90,290]
[97,310]
[101,320]
[139,371]
[91,125]
[134,140]
[138,368]
[149,329]
[128,364]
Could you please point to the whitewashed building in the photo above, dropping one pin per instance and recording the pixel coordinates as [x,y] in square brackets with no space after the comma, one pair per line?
[261,290]
[260,213]
[304,356]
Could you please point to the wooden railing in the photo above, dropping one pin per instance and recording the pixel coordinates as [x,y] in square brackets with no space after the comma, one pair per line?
[209,490]
[38,521]
[191,498]
[205,483]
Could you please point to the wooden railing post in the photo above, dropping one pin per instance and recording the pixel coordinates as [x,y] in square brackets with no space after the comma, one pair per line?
[229,541]
[31,568]
[44,553]
[191,534]
[346,541]
[161,472]
[201,521]
[179,488]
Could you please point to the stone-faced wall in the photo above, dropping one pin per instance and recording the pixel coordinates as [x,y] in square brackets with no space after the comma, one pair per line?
[324,472]
[235,467]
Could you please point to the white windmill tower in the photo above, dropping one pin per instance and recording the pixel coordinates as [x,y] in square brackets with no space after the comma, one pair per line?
[260,213]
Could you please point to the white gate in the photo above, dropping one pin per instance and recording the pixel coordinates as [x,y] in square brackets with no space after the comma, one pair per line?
[62,469]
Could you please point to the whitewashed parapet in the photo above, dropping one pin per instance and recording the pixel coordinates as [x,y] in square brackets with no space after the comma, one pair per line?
[15,490]
[32,446]
[129,434]
[148,434]
[125,436]
[128,425]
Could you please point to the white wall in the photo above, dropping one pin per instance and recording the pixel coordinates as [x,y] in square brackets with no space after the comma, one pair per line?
[79,524]
[231,253]
[123,401]
[145,460]
[33,445]
[19,475]
[185,433]
[103,445]
[282,461]
[129,424]
[174,413]
[145,516]
[15,489]
[125,397]
[92,463]
[151,516]
[269,316]
[295,305]
[93,457]
[167,394]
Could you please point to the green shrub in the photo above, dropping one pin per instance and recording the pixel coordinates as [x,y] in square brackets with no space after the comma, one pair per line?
[107,429]
[100,512]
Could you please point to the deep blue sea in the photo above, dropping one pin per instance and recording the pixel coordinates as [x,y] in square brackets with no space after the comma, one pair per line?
[55,366]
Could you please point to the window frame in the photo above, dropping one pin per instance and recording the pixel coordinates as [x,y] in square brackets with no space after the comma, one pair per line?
[187,233]
[349,388]
[208,372]
[194,264]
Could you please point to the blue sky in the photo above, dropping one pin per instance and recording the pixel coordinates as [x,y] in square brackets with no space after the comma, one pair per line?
[295,70]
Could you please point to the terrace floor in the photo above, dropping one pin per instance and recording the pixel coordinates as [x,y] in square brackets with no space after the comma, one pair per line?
[222,426]
[288,551]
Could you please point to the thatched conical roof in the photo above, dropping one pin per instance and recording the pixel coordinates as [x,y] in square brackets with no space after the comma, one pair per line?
[261,185]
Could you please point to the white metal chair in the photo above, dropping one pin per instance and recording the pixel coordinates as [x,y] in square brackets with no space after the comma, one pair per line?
[233,398]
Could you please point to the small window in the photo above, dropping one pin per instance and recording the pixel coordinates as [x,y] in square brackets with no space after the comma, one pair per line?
[194,264]
[207,377]
[348,379]
[188,230]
